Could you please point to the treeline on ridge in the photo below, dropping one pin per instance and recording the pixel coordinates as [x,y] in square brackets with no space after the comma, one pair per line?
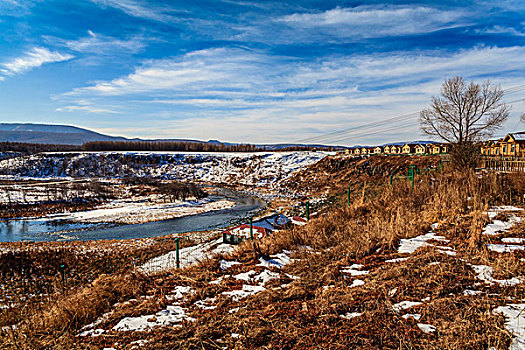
[20,148]
[31,148]
[155,146]
[185,146]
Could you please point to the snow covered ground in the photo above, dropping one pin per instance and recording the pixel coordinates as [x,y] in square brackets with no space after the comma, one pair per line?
[133,211]
[262,168]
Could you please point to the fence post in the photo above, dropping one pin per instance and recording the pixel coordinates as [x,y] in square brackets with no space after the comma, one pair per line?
[411,171]
[307,210]
[177,248]
[391,178]
[63,273]
[348,193]
[251,228]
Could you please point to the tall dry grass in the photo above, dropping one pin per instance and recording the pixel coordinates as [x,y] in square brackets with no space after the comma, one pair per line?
[385,214]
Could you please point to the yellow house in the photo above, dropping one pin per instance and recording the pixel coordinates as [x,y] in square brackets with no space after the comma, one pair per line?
[513,144]
[364,150]
[386,150]
[395,149]
[377,150]
[438,149]
[420,149]
[407,149]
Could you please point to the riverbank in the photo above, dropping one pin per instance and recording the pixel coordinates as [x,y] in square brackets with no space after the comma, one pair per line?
[220,210]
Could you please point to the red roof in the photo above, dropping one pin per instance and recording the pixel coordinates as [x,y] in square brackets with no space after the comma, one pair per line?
[244,231]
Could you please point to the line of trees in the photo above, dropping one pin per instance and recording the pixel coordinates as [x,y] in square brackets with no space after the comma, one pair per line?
[185,146]
[20,148]
[155,146]
[32,148]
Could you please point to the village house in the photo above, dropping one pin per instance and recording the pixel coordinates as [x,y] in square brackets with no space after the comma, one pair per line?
[386,150]
[408,149]
[420,149]
[395,149]
[364,150]
[437,148]
[378,150]
[513,144]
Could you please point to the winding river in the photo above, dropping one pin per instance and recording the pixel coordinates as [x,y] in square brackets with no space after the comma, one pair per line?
[47,230]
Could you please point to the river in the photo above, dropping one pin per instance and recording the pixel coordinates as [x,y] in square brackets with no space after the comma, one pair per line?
[53,230]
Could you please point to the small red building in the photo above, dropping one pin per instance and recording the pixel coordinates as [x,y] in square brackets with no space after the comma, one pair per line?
[239,233]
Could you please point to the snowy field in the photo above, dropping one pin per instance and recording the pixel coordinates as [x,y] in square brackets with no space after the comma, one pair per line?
[261,169]
[141,211]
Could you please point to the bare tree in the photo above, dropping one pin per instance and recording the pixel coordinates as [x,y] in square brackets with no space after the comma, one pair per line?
[463,115]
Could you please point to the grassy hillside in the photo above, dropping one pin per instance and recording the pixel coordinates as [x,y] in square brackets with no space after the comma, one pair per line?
[353,277]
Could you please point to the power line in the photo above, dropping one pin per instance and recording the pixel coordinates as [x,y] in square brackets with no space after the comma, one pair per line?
[332,136]
[363,126]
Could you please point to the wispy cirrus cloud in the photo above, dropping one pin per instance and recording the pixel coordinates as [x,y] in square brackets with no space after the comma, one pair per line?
[219,90]
[16,7]
[501,30]
[100,44]
[370,22]
[33,58]
[141,9]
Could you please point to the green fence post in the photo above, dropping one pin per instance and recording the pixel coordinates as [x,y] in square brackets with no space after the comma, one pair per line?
[63,273]
[307,210]
[348,193]
[177,256]
[411,172]
[251,228]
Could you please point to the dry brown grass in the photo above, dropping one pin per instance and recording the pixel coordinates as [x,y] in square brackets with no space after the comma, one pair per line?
[306,315]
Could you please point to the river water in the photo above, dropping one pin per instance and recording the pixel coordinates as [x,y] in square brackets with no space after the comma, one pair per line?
[49,230]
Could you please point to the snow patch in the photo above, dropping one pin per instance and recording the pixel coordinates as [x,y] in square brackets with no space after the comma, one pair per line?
[414,316]
[351,315]
[172,315]
[514,240]
[515,323]
[227,264]
[354,270]
[405,305]
[426,328]
[504,248]
[356,283]
[246,291]
[485,274]
[412,244]
[278,260]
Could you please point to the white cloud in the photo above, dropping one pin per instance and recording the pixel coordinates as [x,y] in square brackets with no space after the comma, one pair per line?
[87,109]
[34,58]
[369,22]
[205,69]
[101,44]
[139,9]
[16,7]
[209,93]
[501,30]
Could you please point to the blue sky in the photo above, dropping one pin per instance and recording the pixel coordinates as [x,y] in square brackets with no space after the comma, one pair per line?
[251,71]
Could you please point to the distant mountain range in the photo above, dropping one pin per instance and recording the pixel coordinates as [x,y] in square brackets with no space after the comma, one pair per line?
[72,135]
[51,134]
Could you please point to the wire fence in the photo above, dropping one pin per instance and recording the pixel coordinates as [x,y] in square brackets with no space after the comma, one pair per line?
[186,250]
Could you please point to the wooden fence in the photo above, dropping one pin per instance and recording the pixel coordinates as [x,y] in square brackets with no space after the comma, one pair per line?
[504,163]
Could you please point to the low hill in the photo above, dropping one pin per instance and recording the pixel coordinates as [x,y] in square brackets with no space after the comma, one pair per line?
[72,135]
[51,134]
